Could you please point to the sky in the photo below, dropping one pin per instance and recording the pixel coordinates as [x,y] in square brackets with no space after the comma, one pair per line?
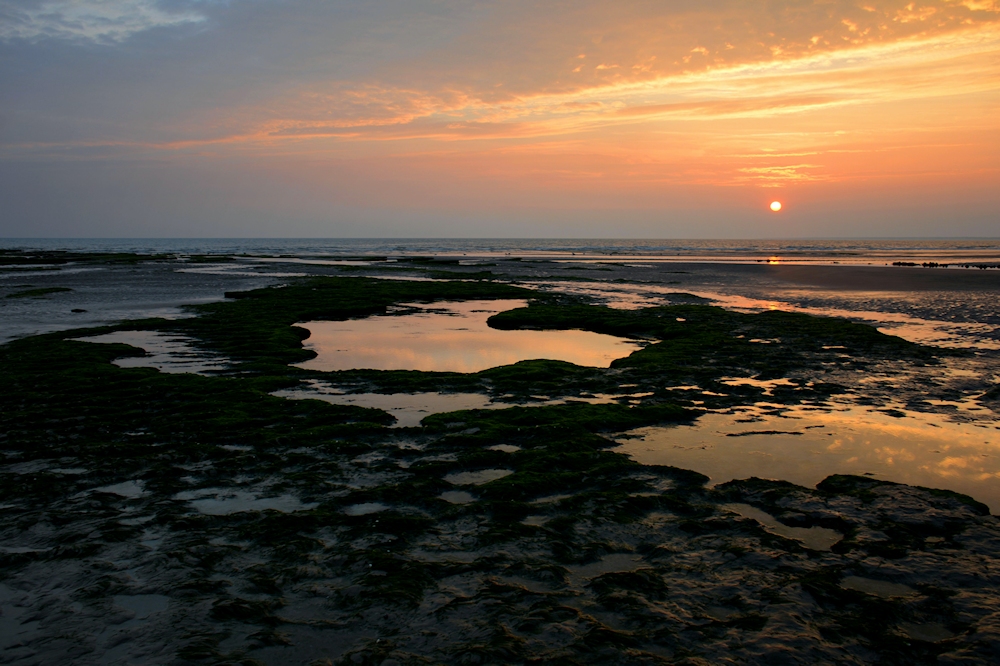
[505,118]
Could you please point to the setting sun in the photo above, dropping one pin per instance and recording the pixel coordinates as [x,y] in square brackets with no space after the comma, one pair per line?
[775,206]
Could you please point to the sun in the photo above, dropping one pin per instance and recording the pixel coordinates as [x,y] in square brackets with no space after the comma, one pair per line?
[775,206]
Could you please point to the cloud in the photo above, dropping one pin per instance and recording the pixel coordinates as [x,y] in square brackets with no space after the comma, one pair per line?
[580,102]
[101,21]
[912,69]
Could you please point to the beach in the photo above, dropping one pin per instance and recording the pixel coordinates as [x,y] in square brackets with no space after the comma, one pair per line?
[765,461]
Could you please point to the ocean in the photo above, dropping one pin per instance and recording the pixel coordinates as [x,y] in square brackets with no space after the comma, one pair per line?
[953,252]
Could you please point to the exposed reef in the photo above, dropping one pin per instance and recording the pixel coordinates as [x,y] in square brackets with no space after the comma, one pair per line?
[170,518]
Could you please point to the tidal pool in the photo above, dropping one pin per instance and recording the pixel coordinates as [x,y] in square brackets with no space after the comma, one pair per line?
[805,445]
[408,408]
[450,337]
[813,538]
[477,478]
[411,408]
[226,501]
[165,352]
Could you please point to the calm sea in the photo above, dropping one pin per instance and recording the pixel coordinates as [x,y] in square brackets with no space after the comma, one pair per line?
[974,251]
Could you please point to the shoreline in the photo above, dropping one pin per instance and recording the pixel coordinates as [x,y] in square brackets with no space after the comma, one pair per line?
[200,517]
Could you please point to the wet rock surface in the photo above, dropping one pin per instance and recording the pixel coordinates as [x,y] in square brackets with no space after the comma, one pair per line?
[169,518]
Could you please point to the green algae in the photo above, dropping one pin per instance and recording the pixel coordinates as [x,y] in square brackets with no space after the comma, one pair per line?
[67,402]
[257,326]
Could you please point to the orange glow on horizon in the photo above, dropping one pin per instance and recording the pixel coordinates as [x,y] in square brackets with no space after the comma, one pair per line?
[633,108]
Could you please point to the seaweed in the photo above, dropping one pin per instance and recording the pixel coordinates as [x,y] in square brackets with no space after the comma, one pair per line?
[234,579]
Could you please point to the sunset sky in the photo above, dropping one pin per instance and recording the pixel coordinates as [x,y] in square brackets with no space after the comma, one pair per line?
[678,118]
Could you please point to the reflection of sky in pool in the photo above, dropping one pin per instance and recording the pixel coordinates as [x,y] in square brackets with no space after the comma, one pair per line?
[164,351]
[410,408]
[804,446]
[453,337]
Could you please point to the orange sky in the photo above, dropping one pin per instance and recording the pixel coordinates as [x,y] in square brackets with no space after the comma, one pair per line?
[671,116]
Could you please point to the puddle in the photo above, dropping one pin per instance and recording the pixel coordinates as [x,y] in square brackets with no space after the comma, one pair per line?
[768,385]
[143,605]
[30,467]
[805,445]
[551,499]
[165,352]
[127,489]
[450,337]
[931,632]
[878,588]
[224,501]
[21,550]
[719,613]
[311,261]
[813,538]
[505,448]
[618,562]
[411,408]
[932,331]
[365,508]
[445,556]
[237,270]
[142,520]
[457,497]
[477,478]
[408,408]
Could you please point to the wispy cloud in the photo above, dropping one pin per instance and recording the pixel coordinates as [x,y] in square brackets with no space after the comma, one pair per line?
[965,63]
[585,102]
[102,21]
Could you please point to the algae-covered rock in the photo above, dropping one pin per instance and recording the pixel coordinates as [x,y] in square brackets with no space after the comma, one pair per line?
[512,535]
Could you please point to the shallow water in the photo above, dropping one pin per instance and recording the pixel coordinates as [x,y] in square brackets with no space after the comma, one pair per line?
[126,489]
[879,588]
[633,250]
[805,445]
[450,337]
[408,408]
[457,497]
[411,408]
[225,501]
[813,538]
[928,317]
[165,352]
[365,508]
[477,478]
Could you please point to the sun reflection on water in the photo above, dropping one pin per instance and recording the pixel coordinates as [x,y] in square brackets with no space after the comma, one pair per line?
[804,445]
[451,337]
